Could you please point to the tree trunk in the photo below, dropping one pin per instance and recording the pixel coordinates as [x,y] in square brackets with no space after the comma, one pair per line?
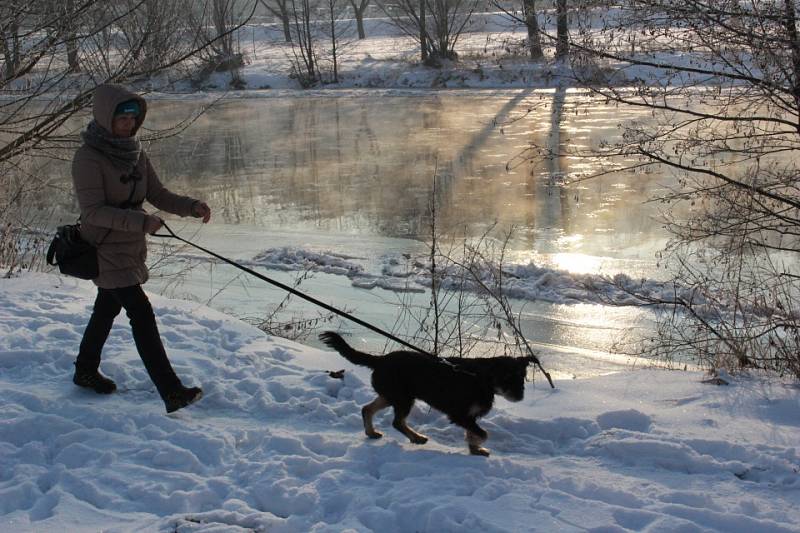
[222,22]
[11,50]
[532,23]
[442,30]
[332,14]
[790,23]
[423,41]
[282,13]
[8,70]
[562,37]
[73,63]
[9,41]
[309,42]
[359,9]
[287,29]
[71,33]
[360,25]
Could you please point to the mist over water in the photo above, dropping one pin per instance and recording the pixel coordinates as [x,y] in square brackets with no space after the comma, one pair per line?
[366,165]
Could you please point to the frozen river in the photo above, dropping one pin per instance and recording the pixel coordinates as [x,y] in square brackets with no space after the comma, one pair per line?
[342,185]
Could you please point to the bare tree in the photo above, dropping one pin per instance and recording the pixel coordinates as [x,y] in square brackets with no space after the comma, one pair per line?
[305,42]
[280,9]
[722,80]
[320,31]
[150,30]
[423,32]
[435,24]
[73,59]
[532,25]
[529,17]
[338,30]
[224,17]
[12,14]
[334,9]
[469,310]
[562,29]
[219,17]
[359,7]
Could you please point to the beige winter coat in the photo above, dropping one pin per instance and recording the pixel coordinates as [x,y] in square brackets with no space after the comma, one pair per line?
[118,233]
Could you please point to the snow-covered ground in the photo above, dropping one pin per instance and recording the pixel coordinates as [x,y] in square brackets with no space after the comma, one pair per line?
[277,444]
[492,53]
[491,50]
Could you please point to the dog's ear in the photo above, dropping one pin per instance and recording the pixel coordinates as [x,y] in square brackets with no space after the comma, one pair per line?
[531,359]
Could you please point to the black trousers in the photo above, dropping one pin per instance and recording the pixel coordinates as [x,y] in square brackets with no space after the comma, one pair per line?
[107,305]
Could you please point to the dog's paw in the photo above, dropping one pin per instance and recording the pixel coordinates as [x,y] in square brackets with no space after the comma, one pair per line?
[479,450]
[374,434]
[419,439]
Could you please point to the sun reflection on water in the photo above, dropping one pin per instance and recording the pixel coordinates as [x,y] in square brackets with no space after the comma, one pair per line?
[577,263]
[582,340]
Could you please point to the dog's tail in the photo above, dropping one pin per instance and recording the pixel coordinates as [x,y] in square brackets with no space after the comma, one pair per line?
[335,341]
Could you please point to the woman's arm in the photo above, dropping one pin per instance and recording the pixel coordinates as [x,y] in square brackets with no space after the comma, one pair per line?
[164,199]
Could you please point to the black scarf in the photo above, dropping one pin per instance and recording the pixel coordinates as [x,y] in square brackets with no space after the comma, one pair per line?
[123,152]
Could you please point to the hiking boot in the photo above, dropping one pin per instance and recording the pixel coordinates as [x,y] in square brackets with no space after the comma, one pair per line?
[93,379]
[182,397]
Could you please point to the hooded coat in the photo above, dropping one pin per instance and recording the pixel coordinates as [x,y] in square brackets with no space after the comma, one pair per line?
[101,188]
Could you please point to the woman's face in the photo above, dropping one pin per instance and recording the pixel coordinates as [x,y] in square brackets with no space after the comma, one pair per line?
[123,125]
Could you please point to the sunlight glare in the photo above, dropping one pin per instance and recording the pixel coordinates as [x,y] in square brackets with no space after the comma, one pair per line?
[577,263]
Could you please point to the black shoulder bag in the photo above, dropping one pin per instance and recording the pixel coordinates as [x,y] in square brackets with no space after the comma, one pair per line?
[74,256]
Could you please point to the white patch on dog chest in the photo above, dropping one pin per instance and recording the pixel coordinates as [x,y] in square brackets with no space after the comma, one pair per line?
[475,410]
[511,397]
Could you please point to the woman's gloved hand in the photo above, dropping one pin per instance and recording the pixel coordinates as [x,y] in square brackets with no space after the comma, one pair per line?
[152,224]
[201,210]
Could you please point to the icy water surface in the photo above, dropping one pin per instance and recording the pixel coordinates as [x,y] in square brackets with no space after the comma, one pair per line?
[347,182]
[367,165]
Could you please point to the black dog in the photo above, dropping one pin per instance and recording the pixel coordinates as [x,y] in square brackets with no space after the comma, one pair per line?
[461,388]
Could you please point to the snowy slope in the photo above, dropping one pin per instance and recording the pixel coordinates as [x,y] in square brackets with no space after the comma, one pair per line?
[277,445]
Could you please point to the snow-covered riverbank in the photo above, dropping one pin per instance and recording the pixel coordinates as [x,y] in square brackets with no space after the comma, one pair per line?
[277,445]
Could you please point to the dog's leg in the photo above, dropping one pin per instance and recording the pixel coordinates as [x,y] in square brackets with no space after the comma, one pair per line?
[474,442]
[476,436]
[368,411]
[401,412]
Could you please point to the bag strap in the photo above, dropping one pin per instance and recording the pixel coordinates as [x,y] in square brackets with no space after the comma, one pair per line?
[51,250]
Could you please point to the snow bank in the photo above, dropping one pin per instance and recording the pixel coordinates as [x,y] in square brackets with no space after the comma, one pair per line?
[492,54]
[277,444]
[526,281]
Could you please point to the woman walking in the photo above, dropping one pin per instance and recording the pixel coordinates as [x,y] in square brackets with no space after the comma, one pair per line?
[112,176]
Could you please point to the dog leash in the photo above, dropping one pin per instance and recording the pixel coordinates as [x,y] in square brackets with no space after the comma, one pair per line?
[291,290]
[319,303]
